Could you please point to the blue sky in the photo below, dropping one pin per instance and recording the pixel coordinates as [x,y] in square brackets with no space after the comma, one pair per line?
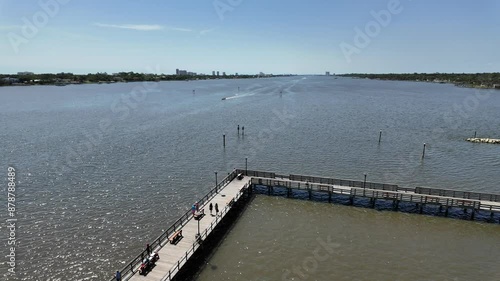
[249,36]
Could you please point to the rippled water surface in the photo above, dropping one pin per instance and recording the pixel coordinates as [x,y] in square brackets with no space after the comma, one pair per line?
[103,169]
[285,239]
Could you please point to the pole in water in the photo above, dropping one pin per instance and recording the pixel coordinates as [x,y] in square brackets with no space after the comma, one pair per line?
[380,136]
[224,140]
[238,89]
[238,130]
[423,152]
[243,130]
[475,134]
[194,92]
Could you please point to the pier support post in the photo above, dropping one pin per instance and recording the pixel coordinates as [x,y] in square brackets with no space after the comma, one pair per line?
[380,136]
[310,194]
[372,202]
[475,134]
[224,140]
[351,200]
[446,211]
[423,152]
[329,197]
[473,214]
[421,208]
[288,192]
[395,205]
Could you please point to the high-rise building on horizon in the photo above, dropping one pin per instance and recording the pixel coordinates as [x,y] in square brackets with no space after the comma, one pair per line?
[327,73]
[213,73]
[217,73]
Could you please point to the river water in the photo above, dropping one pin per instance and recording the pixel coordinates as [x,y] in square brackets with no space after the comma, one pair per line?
[103,169]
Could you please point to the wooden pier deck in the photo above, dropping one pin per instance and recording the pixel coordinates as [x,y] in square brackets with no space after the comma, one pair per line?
[420,196]
[174,256]
[229,191]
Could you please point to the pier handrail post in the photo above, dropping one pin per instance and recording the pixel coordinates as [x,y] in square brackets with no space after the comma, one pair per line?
[364,182]
[246,166]
[216,182]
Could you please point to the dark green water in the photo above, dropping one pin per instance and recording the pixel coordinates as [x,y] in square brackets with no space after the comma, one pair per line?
[286,239]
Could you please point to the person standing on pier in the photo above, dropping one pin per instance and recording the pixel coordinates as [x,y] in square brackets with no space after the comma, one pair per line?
[216,209]
[148,249]
[211,208]
[118,276]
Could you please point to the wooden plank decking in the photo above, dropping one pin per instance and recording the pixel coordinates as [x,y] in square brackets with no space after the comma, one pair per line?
[173,257]
[227,192]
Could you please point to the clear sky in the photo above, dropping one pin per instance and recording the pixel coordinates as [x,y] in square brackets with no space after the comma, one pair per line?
[249,36]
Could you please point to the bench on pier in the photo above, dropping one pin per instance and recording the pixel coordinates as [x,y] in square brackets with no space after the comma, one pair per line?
[199,214]
[175,237]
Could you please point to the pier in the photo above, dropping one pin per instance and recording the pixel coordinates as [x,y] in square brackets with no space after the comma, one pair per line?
[191,230]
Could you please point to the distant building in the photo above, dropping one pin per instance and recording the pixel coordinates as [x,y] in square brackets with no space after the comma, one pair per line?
[181,72]
[236,73]
[262,74]
[327,73]
[10,80]
[223,73]
[25,73]
[213,73]
[217,73]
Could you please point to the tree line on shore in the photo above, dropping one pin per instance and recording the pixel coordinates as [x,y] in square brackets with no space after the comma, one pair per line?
[70,78]
[476,80]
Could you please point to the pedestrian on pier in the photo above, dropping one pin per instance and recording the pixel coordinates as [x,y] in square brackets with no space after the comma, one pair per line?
[148,249]
[118,276]
[211,207]
[216,209]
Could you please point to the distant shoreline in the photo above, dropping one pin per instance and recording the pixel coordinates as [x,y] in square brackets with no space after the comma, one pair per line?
[63,79]
[473,80]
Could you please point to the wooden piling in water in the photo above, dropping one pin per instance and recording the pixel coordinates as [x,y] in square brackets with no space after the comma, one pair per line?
[224,140]
[380,136]
[423,152]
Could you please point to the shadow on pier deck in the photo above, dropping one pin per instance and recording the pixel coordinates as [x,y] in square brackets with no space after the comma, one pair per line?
[179,261]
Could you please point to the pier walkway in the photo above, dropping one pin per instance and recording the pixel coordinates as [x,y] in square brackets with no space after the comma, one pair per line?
[226,193]
[174,256]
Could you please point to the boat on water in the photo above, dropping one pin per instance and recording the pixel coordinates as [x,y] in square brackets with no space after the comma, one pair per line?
[223,98]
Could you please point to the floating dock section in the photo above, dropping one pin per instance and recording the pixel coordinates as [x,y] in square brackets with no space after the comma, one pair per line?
[196,228]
